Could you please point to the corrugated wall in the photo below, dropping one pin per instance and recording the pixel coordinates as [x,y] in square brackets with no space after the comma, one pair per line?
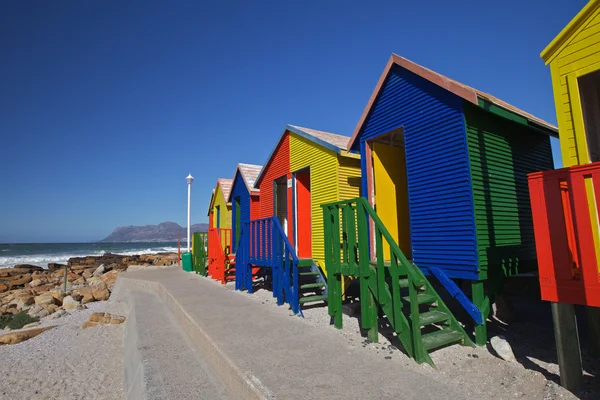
[348,177]
[439,185]
[278,166]
[240,190]
[323,184]
[225,210]
[502,153]
[583,51]
[255,206]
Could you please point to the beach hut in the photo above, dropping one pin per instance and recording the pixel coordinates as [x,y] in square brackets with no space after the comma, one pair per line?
[444,184]
[564,202]
[307,168]
[219,231]
[244,199]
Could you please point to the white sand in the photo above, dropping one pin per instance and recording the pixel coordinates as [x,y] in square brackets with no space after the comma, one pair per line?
[66,362]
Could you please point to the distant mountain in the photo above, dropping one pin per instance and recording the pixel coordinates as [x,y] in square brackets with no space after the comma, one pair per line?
[165,232]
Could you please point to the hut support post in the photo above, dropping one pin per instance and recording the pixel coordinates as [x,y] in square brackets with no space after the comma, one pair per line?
[593,317]
[479,301]
[567,346]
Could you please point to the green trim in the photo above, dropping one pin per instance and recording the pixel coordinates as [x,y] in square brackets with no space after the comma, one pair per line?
[512,116]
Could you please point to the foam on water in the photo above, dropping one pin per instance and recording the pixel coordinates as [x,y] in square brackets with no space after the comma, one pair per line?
[44,259]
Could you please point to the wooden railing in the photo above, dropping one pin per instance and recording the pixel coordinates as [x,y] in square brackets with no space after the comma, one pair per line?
[219,246]
[564,204]
[263,243]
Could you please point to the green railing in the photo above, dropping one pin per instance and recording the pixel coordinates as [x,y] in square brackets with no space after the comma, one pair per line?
[347,229]
[200,252]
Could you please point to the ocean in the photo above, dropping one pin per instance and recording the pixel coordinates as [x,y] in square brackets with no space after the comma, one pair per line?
[43,253]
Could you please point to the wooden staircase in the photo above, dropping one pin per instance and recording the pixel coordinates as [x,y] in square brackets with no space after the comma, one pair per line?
[396,287]
[265,249]
[312,286]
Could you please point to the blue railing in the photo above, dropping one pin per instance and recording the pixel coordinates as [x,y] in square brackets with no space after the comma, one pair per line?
[263,243]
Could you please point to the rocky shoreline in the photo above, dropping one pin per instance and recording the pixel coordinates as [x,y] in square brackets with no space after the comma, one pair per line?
[40,291]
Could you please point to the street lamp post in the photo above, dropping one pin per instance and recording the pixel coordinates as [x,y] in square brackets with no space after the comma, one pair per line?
[189,179]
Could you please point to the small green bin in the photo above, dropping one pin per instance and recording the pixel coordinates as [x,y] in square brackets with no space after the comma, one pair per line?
[186,261]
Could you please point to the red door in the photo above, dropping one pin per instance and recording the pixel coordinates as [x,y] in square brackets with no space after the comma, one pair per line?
[303,233]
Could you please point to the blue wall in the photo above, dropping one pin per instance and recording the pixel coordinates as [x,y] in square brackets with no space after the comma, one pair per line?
[240,190]
[439,183]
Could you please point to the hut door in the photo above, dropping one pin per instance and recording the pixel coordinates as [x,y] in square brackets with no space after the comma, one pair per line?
[218,216]
[238,222]
[302,204]
[391,191]
[281,202]
[589,91]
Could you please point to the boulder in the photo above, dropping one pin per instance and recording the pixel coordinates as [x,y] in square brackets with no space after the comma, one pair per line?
[3,287]
[19,282]
[58,314]
[28,267]
[502,348]
[70,304]
[37,282]
[31,325]
[21,336]
[99,271]
[37,311]
[84,295]
[58,294]
[55,266]
[45,299]
[88,273]
[99,289]
[50,308]
[110,278]
[99,318]
[24,302]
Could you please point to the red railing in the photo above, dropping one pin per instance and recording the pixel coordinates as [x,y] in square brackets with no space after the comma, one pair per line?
[219,247]
[564,233]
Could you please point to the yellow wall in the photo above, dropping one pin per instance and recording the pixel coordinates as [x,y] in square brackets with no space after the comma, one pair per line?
[575,52]
[391,195]
[323,185]
[225,209]
[349,177]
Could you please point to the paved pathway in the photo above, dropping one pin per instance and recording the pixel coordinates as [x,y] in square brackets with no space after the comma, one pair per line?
[259,352]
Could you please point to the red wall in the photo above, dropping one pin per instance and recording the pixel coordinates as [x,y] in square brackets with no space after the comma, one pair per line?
[254,206]
[278,166]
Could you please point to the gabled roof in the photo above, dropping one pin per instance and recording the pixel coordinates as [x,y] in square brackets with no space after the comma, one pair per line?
[459,89]
[249,173]
[212,201]
[568,32]
[225,185]
[332,141]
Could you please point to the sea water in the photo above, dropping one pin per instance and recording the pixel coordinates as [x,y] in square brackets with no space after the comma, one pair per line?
[43,253]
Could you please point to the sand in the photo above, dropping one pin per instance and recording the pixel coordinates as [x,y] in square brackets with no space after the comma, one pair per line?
[66,362]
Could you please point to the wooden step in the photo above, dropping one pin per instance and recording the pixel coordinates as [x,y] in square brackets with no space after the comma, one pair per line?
[313,273]
[422,298]
[312,299]
[441,338]
[305,262]
[432,317]
[312,285]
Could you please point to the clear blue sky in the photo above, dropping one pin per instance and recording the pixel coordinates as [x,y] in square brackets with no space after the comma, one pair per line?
[105,107]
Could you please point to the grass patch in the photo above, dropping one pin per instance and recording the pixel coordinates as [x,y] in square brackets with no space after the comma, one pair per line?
[16,321]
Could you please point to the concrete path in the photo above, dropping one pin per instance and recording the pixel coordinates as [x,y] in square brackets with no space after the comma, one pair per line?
[259,353]
[173,368]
